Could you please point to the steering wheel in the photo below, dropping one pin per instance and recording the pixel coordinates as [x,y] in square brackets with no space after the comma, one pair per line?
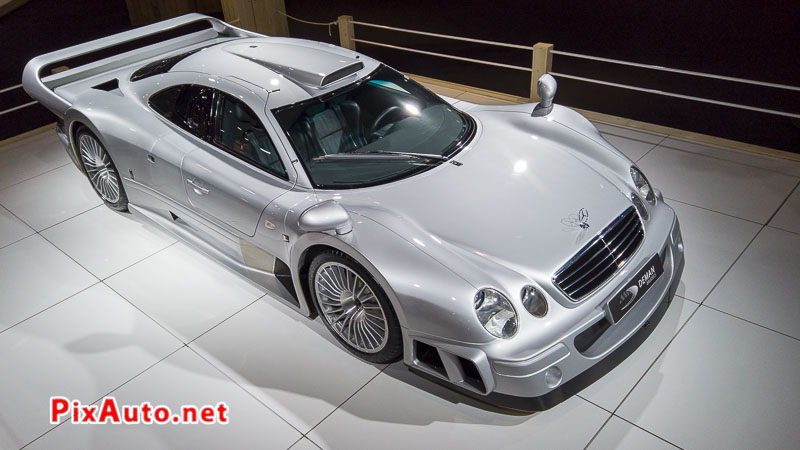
[376,125]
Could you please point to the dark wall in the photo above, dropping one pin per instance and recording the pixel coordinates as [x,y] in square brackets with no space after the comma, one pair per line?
[41,26]
[749,39]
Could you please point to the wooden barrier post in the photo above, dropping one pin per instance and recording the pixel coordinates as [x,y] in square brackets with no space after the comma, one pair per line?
[542,64]
[270,17]
[346,32]
[262,16]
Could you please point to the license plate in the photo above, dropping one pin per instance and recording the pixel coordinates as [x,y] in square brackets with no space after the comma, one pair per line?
[638,286]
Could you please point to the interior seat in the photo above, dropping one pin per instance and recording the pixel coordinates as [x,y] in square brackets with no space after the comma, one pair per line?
[336,129]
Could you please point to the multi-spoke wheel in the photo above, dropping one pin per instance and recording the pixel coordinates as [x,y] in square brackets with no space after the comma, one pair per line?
[354,308]
[100,170]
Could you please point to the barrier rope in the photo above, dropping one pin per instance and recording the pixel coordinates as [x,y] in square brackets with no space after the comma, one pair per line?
[323,24]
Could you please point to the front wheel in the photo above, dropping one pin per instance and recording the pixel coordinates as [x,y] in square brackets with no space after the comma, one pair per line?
[354,308]
[100,170]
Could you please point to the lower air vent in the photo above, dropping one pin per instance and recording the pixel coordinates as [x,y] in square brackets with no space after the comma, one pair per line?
[429,357]
[600,259]
[590,335]
[471,375]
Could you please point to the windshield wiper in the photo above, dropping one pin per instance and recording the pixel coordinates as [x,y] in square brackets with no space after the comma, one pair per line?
[375,154]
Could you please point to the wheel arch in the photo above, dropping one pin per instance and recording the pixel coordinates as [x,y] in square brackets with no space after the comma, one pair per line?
[75,119]
[309,245]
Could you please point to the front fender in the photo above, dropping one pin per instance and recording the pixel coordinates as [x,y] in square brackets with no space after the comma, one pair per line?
[428,297]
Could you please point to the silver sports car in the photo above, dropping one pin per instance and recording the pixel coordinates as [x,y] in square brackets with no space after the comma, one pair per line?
[503,249]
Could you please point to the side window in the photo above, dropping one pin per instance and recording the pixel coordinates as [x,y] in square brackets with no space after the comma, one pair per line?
[240,132]
[186,106]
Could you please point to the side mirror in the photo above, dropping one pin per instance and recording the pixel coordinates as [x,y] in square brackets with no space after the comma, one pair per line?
[326,216]
[546,89]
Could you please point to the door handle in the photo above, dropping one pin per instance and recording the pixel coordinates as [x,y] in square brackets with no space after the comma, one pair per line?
[198,189]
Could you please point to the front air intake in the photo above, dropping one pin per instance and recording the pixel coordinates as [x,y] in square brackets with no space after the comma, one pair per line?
[600,259]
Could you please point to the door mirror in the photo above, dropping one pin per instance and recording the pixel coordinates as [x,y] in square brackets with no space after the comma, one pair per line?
[326,216]
[546,90]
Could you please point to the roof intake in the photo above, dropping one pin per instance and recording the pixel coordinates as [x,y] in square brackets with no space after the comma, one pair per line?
[305,65]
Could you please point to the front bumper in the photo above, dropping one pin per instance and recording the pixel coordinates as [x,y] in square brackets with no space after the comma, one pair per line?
[573,355]
[484,370]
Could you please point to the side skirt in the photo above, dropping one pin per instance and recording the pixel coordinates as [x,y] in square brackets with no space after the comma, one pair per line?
[194,237]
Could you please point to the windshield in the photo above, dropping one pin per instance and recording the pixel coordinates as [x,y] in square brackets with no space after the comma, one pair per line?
[384,128]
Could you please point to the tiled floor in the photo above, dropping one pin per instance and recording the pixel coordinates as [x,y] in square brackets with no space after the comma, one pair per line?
[94,303]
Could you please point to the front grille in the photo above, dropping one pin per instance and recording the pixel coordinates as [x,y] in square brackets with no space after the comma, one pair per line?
[598,260]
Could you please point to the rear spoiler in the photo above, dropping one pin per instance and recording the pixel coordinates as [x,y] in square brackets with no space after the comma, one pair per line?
[43,74]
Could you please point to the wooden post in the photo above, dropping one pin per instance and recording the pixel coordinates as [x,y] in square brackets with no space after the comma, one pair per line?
[142,12]
[270,17]
[262,16]
[346,32]
[230,11]
[542,64]
[6,6]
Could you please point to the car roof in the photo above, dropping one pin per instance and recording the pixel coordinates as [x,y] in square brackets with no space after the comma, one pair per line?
[292,70]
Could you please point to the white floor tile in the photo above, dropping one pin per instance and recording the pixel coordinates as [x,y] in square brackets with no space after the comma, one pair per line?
[741,191]
[632,148]
[639,135]
[81,349]
[30,157]
[722,383]
[285,360]
[11,228]
[47,199]
[184,290]
[304,444]
[763,285]
[609,391]
[105,241]
[390,413]
[712,241]
[786,166]
[181,379]
[620,435]
[788,217]
[35,275]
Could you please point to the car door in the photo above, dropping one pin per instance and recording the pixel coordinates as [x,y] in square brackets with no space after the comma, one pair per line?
[186,105]
[231,178]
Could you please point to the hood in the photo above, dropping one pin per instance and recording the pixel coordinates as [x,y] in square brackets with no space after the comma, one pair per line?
[518,198]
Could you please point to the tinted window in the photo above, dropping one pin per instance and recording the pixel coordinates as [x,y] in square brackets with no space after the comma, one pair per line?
[240,132]
[186,106]
[161,66]
[381,129]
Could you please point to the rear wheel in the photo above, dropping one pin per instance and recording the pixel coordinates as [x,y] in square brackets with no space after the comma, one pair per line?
[100,170]
[354,308]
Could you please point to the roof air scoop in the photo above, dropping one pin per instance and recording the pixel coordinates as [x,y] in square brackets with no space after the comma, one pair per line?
[305,65]
[546,90]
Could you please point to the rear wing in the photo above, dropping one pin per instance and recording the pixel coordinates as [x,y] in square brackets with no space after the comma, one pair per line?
[45,73]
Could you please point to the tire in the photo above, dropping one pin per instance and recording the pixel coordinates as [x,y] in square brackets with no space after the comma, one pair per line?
[100,170]
[355,320]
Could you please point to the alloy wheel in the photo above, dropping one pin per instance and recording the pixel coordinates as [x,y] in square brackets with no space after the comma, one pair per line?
[351,308]
[99,168]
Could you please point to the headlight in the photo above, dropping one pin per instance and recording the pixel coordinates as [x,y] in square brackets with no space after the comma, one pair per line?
[495,313]
[643,186]
[533,300]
